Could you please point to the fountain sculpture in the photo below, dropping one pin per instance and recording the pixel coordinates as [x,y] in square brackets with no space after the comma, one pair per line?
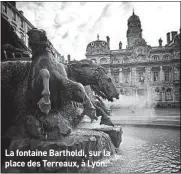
[42,104]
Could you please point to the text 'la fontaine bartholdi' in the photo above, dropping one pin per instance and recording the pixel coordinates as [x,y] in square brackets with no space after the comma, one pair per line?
[50,152]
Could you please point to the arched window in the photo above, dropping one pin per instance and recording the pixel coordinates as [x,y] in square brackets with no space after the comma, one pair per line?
[126,77]
[168,94]
[158,95]
[166,75]
[155,76]
[176,73]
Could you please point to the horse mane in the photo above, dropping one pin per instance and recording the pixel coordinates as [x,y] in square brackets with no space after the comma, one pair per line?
[88,63]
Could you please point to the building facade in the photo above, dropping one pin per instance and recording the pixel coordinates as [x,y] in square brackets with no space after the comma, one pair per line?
[152,72]
[13,23]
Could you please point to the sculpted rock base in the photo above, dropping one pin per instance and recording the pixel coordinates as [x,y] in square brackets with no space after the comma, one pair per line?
[115,133]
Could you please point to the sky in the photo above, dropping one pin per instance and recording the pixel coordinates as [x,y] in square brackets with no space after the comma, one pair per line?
[70,26]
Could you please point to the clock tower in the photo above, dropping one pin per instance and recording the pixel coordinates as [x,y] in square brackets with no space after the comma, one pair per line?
[134,30]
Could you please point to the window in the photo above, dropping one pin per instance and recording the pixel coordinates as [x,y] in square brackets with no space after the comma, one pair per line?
[126,77]
[166,75]
[14,28]
[176,73]
[155,76]
[116,77]
[141,77]
[22,23]
[177,96]
[22,37]
[14,16]
[4,8]
[168,95]
[28,28]
[158,95]
[166,57]
[155,58]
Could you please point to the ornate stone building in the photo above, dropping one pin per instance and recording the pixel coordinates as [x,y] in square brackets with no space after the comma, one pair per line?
[153,72]
[14,28]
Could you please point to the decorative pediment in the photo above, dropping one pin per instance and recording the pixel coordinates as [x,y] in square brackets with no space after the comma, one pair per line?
[126,69]
[140,69]
[155,68]
[166,68]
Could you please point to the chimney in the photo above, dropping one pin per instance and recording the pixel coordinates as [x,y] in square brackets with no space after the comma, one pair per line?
[168,38]
[108,40]
[160,42]
[68,58]
[21,12]
[174,33]
[120,45]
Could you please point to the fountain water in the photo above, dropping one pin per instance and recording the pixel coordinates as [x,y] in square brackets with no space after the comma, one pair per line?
[134,107]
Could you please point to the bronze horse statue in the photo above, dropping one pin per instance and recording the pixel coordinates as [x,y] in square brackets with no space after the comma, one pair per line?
[87,73]
[49,79]
[37,87]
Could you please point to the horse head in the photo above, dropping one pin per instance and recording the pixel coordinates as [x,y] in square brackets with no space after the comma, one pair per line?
[88,73]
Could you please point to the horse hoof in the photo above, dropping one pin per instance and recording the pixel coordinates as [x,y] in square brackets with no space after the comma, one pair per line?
[45,107]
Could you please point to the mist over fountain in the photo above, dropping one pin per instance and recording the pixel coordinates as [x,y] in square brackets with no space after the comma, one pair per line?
[132,107]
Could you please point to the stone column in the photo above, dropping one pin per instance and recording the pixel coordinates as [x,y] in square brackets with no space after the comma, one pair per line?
[130,77]
[133,72]
[173,94]
[171,72]
[120,75]
[147,82]
[109,72]
[147,75]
